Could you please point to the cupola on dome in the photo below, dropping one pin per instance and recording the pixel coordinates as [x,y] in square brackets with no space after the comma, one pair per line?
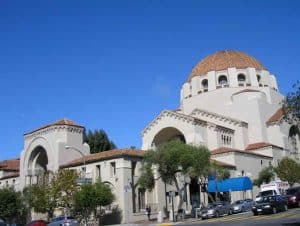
[225,59]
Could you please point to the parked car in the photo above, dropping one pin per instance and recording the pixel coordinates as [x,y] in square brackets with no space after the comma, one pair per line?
[38,223]
[215,210]
[63,221]
[270,204]
[241,206]
[293,196]
[2,223]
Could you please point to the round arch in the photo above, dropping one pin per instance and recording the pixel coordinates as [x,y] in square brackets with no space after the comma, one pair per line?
[222,80]
[167,134]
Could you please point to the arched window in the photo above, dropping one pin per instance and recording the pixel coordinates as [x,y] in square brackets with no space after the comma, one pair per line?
[258,78]
[204,84]
[222,80]
[241,78]
[293,133]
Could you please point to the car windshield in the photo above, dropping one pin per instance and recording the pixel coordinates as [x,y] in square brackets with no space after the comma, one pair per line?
[238,202]
[265,193]
[211,206]
[291,191]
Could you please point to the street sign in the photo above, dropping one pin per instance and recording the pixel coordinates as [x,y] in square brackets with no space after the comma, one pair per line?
[82,180]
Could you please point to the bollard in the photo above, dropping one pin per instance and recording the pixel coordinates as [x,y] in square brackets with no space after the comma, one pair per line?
[159,217]
[171,216]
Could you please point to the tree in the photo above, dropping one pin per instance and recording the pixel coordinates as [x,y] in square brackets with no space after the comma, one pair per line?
[265,176]
[288,170]
[220,174]
[11,206]
[291,105]
[54,190]
[99,141]
[90,198]
[172,160]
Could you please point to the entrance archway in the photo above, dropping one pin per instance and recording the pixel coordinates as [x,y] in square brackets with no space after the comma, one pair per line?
[37,164]
[167,134]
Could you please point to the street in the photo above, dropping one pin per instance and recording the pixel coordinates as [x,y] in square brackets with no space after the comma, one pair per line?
[288,218]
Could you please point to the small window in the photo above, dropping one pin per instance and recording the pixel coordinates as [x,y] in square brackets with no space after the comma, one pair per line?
[222,80]
[98,171]
[241,78]
[204,84]
[113,169]
[261,162]
[258,78]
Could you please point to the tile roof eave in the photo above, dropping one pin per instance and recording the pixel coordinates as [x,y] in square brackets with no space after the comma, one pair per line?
[79,161]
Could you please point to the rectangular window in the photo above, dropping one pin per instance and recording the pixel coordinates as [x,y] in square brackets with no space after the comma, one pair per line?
[141,197]
[112,169]
[98,171]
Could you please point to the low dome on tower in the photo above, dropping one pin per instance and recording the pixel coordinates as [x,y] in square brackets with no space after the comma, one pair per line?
[225,59]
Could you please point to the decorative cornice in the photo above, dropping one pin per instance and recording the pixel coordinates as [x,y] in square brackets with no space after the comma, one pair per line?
[198,111]
[54,128]
[175,115]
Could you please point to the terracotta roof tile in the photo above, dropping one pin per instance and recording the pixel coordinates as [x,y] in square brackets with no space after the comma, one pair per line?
[224,164]
[116,153]
[223,150]
[259,145]
[10,165]
[57,123]
[277,116]
[225,59]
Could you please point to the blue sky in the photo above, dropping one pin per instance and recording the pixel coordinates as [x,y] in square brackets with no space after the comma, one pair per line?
[116,64]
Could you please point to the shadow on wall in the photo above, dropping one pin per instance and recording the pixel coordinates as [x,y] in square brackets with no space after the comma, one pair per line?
[114,217]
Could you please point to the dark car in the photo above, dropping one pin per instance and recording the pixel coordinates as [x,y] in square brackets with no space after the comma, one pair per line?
[215,210]
[270,204]
[293,197]
[63,221]
[38,223]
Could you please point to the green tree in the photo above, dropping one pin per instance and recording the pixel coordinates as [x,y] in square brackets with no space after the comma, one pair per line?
[172,159]
[11,206]
[265,176]
[90,198]
[291,105]
[54,190]
[288,170]
[99,141]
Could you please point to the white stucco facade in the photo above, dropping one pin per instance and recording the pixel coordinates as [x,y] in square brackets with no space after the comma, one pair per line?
[230,103]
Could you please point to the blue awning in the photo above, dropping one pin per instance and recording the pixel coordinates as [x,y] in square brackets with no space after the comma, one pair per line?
[231,184]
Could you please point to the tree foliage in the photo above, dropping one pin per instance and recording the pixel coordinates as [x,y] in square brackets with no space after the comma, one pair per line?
[53,191]
[173,159]
[265,176]
[291,105]
[11,206]
[288,170]
[99,141]
[90,198]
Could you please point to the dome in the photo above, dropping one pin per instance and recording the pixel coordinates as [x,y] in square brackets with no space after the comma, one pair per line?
[225,59]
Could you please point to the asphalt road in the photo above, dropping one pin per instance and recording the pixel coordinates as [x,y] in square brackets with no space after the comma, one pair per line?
[288,218]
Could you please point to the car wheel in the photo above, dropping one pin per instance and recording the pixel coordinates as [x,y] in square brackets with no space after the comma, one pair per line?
[274,210]
[217,214]
[255,213]
[203,218]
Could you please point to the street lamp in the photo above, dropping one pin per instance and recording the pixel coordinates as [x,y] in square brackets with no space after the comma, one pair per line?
[83,157]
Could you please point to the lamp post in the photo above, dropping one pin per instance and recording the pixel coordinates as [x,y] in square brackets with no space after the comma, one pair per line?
[83,157]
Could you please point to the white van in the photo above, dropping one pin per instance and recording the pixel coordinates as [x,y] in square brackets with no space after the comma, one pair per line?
[273,188]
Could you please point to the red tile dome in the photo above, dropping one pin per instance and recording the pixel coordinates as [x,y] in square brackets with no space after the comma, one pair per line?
[225,59]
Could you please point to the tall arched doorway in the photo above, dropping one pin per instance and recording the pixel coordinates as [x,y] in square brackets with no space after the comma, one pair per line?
[37,164]
[167,134]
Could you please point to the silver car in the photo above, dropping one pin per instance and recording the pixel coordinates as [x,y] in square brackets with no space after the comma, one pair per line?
[241,206]
[63,221]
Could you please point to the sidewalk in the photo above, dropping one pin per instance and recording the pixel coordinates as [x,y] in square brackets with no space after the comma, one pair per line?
[154,222]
